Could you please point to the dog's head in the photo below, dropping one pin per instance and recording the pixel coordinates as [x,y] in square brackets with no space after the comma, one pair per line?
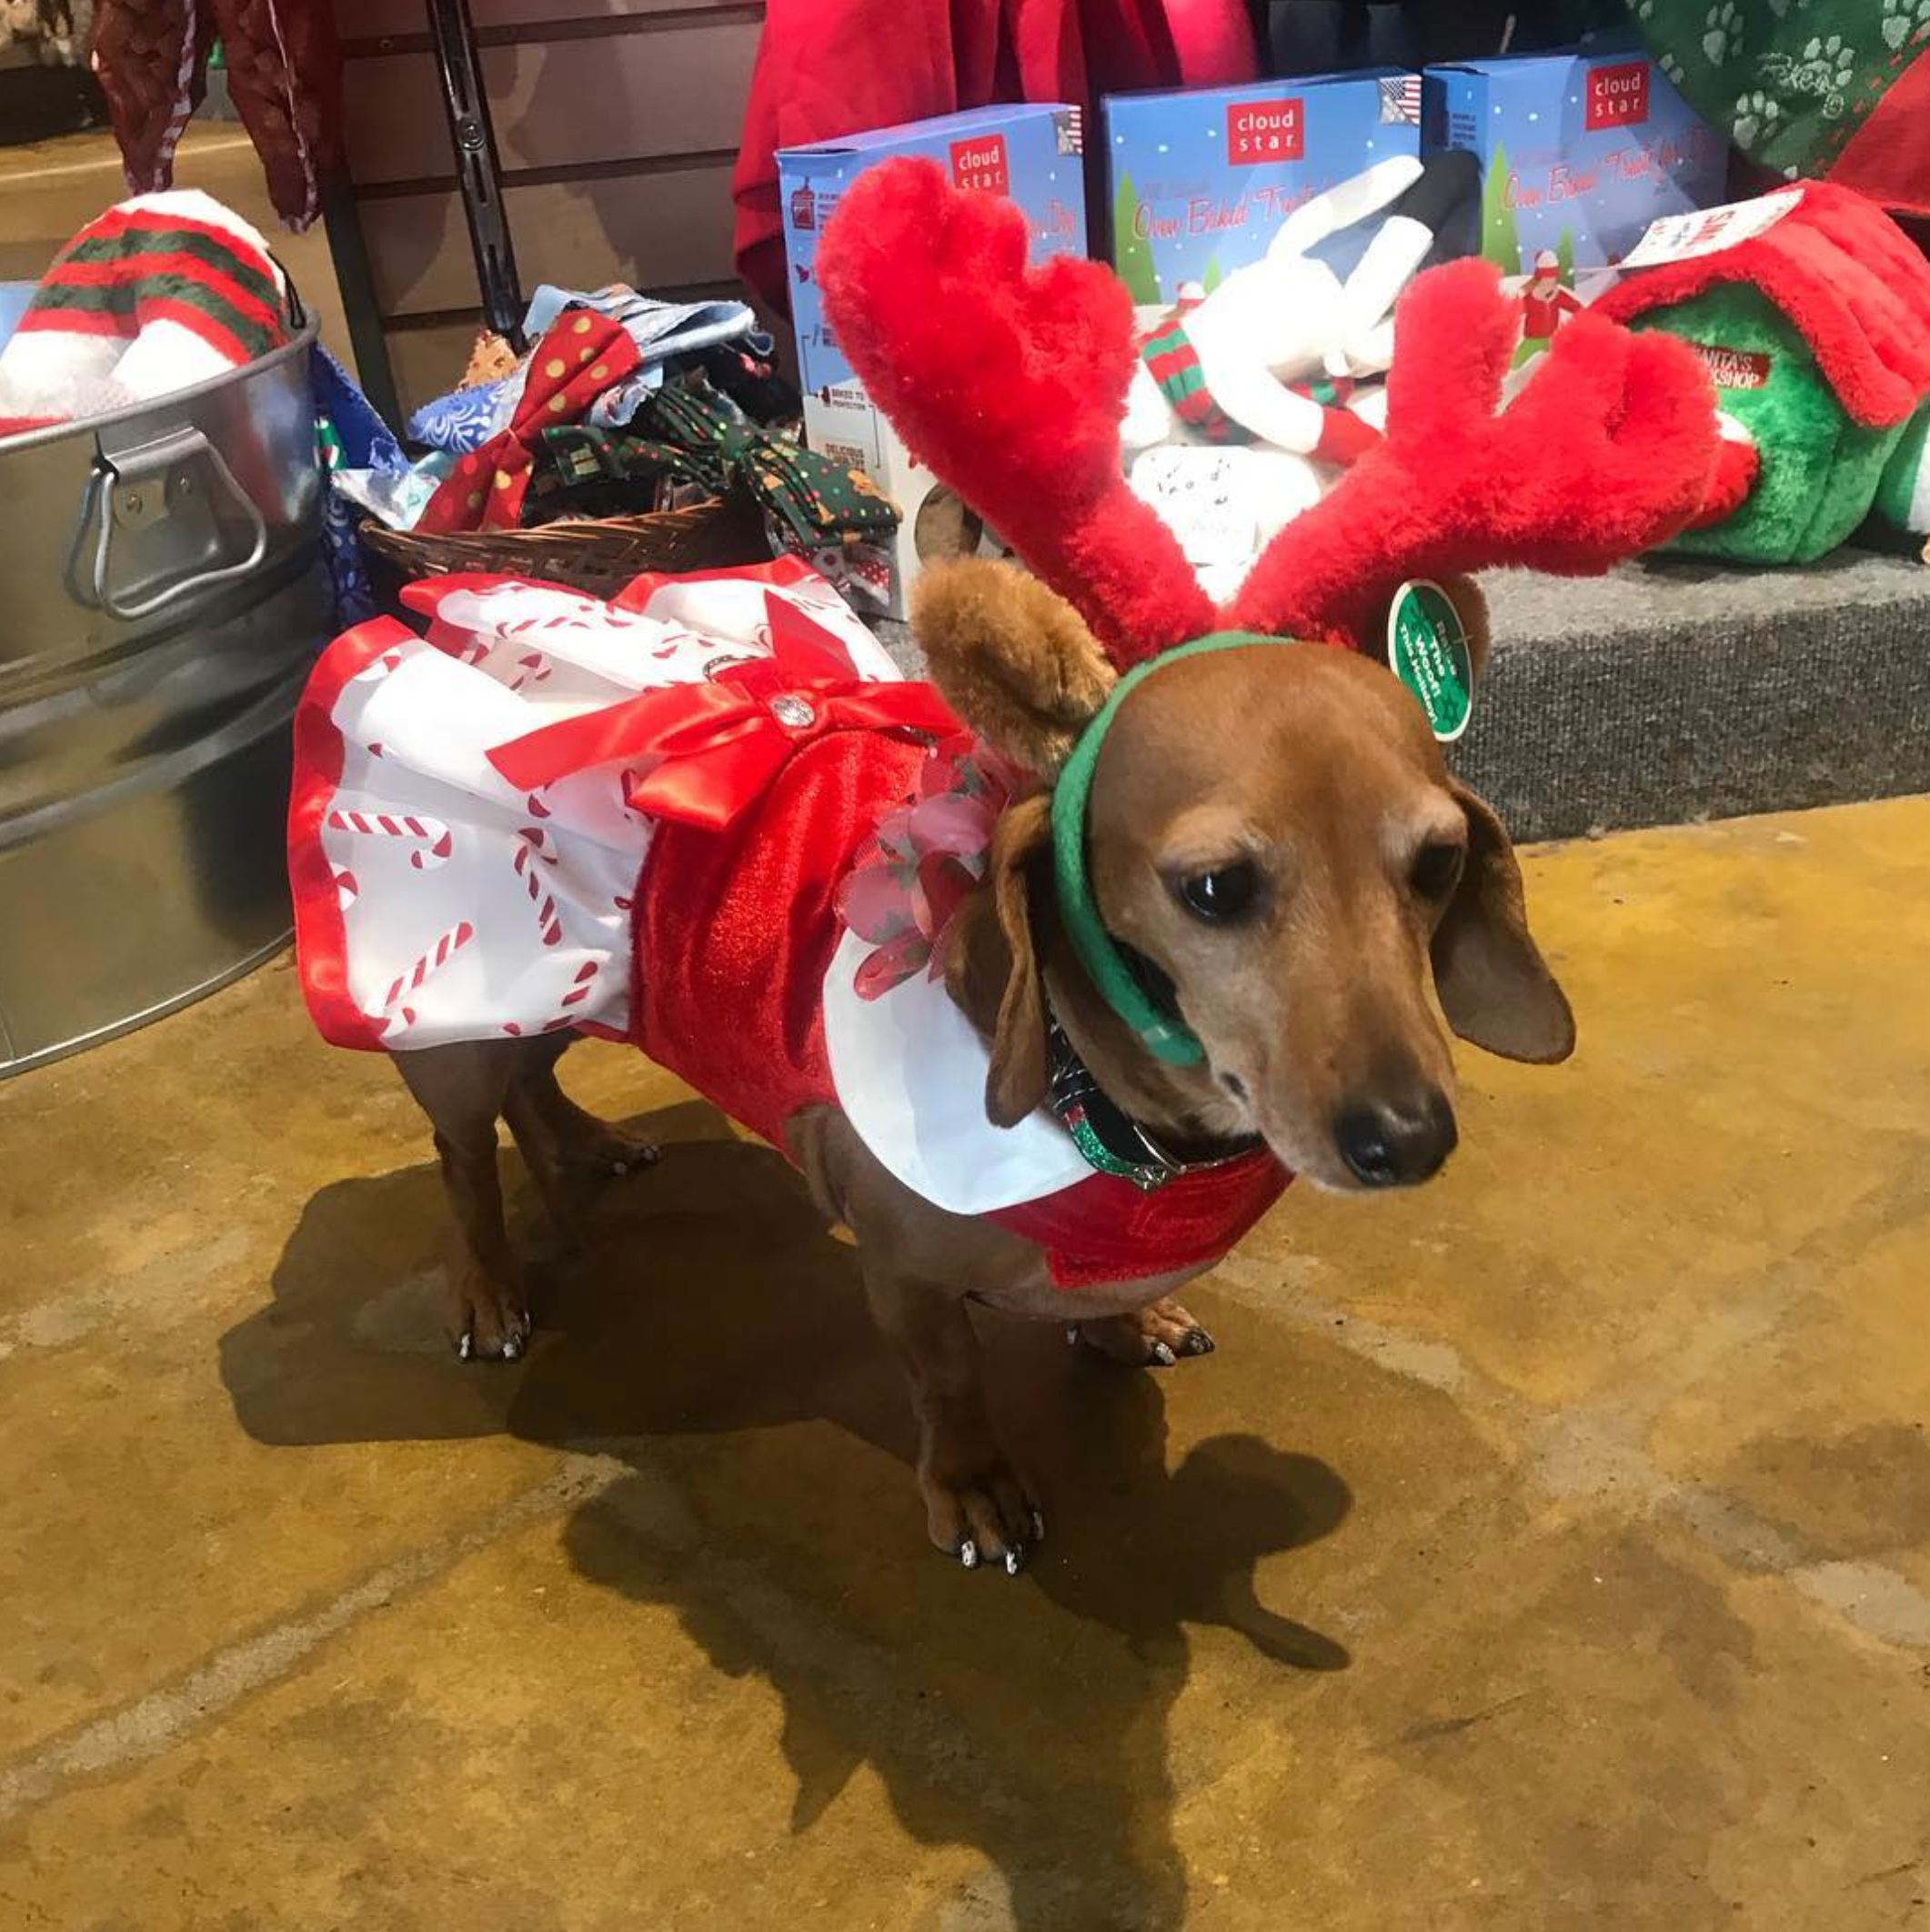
[1273,832]
[1271,828]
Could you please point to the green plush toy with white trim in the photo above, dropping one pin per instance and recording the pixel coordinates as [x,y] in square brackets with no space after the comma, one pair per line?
[1815,333]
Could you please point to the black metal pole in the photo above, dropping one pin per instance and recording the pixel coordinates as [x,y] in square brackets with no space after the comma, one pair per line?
[478,172]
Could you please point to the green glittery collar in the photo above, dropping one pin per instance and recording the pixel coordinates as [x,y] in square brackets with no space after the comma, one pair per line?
[1107,1138]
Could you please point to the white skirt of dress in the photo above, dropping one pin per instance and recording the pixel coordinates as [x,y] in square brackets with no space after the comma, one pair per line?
[435,900]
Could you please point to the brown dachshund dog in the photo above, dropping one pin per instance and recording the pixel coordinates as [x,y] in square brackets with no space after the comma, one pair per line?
[1275,829]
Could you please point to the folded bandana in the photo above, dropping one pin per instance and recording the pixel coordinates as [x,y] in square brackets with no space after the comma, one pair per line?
[581,357]
[688,434]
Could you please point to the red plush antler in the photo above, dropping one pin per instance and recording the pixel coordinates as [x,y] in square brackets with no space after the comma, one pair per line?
[1609,450]
[1008,383]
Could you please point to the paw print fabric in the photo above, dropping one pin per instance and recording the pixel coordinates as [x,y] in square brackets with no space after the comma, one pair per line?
[1794,83]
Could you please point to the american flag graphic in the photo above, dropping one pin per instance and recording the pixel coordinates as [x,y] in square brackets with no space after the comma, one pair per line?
[1070,125]
[1401,99]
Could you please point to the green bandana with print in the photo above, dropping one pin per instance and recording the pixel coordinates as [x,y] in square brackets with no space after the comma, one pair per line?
[689,433]
[1789,81]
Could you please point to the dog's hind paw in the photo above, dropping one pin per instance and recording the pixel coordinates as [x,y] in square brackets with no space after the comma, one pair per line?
[600,1148]
[1158,1335]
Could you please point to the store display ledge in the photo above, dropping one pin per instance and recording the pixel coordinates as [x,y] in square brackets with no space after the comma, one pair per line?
[1671,690]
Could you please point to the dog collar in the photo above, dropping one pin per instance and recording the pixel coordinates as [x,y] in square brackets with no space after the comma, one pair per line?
[1109,1140]
[1151,1013]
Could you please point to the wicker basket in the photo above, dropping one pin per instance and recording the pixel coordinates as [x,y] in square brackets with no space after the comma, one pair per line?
[599,555]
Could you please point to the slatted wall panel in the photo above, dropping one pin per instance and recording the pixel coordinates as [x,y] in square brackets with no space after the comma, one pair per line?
[616,121]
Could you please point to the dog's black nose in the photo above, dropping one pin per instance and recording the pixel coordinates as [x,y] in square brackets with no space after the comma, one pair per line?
[1396,1144]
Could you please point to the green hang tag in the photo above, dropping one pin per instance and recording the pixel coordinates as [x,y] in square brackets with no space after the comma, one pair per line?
[1427,650]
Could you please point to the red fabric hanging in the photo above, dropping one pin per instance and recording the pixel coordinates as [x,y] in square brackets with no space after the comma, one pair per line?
[285,77]
[1888,157]
[822,71]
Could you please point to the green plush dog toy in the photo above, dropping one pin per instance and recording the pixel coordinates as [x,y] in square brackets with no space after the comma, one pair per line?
[1815,331]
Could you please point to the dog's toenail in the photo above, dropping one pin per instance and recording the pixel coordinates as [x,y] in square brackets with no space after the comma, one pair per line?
[969,1553]
[619,1167]
[1071,1334]
[465,1345]
[1199,1342]
[512,1348]
[1014,1562]
[1163,1355]
[1038,1527]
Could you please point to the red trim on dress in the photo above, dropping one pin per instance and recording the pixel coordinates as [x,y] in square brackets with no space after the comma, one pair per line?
[321,941]
[779,572]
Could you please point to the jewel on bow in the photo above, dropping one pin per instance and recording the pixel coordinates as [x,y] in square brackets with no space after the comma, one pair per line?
[703,753]
[922,860]
[580,356]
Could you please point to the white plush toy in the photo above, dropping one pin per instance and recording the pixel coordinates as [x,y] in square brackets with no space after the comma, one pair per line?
[1213,437]
[1284,318]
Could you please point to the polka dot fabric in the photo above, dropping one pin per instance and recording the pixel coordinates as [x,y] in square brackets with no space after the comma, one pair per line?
[580,357]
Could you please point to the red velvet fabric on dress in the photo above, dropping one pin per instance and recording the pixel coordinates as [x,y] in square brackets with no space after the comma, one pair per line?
[1105,1230]
[734,930]
[831,67]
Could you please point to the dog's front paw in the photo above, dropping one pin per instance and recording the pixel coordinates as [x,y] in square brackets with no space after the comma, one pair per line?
[490,1319]
[983,1516]
[1154,1337]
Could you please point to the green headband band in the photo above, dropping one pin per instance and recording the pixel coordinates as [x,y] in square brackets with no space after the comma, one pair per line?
[1163,1033]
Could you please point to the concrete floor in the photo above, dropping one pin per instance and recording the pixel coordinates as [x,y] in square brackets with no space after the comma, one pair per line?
[1547,1549]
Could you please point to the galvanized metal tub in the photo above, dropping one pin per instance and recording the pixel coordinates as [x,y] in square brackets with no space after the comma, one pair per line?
[163,594]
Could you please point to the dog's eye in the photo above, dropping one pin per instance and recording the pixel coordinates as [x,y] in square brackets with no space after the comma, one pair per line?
[1437,870]
[1223,893]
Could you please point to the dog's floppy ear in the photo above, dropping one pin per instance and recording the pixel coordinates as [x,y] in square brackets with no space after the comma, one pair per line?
[993,962]
[1011,657]
[1495,987]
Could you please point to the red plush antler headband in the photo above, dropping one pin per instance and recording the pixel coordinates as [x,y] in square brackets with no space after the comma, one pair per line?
[1008,382]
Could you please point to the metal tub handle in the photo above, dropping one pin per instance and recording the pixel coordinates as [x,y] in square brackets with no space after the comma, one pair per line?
[141,487]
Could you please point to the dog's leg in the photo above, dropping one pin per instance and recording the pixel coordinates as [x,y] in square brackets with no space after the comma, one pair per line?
[1154,1337]
[579,1139]
[976,1507]
[463,1089]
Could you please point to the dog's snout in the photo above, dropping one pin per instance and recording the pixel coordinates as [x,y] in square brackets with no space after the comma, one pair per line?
[1396,1143]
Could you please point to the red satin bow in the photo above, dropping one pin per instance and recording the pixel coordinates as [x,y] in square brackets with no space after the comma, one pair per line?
[581,355]
[718,745]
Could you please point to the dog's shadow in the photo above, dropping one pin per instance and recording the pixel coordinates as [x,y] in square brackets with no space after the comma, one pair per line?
[714,1338]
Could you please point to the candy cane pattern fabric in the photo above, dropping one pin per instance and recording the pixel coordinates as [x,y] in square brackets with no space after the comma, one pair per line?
[434,901]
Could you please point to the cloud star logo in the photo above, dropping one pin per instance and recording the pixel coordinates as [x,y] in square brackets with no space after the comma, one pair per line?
[1618,96]
[1259,131]
[979,163]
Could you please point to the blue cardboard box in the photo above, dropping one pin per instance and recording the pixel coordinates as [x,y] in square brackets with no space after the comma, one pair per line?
[1199,181]
[1032,154]
[1579,152]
